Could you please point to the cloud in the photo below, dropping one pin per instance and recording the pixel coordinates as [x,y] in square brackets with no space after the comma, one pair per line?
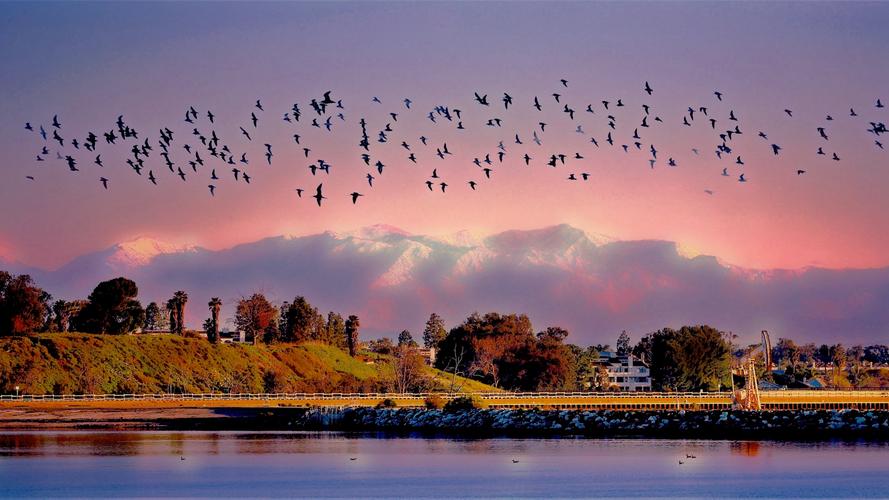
[557,275]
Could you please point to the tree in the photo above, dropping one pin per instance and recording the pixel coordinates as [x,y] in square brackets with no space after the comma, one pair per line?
[406,339]
[585,367]
[213,332]
[257,317]
[408,367]
[301,321]
[623,344]
[23,306]
[353,324]
[335,330]
[172,309]
[689,359]
[503,349]
[152,315]
[381,346]
[73,310]
[703,358]
[112,308]
[61,313]
[434,332]
[180,298]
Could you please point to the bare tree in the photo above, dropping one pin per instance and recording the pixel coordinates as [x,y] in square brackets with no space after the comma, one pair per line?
[408,366]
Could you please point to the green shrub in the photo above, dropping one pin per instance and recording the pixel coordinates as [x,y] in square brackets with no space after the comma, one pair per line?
[387,403]
[434,402]
[463,403]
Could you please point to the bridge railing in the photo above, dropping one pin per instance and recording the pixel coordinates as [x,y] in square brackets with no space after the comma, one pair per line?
[357,396]
[490,396]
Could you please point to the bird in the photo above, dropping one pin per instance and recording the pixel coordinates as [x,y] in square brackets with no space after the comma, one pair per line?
[355,196]
[482,100]
[800,172]
[353,458]
[647,88]
[879,104]
[515,461]
[741,178]
[29,177]
[472,185]
[318,196]
[104,182]
[212,190]
[718,95]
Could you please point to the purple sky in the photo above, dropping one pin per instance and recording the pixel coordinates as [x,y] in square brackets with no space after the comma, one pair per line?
[88,63]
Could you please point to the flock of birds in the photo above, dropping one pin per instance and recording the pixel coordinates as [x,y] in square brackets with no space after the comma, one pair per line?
[207,149]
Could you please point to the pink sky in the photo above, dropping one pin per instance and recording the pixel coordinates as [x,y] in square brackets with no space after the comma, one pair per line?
[815,59]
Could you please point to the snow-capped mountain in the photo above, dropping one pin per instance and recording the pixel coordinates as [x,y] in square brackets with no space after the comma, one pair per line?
[558,275]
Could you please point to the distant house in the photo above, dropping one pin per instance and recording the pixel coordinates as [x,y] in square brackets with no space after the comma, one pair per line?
[626,372]
[236,337]
[153,332]
[428,354]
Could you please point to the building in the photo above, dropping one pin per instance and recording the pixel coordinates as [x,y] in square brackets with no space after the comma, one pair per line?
[428,354]
[625,372]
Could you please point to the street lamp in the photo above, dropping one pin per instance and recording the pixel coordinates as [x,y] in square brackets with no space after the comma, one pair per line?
[16,391]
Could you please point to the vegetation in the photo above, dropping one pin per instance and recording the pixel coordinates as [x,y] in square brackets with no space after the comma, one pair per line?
[434,402]
[463,403]
[304,351]
[74,363]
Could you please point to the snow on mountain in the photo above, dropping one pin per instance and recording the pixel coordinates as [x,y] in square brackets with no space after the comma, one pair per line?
[558,275]
[141,251]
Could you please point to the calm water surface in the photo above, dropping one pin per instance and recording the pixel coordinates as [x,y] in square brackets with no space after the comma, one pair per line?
[299,464]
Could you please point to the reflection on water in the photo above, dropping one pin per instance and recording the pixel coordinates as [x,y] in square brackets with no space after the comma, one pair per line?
[95,464]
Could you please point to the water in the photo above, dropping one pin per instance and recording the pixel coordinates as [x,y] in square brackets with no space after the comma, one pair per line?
[238,464]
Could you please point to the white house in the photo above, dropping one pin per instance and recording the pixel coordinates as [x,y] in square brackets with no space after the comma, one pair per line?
[626,372]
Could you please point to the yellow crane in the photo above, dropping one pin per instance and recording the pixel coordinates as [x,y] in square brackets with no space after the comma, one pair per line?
[747,397]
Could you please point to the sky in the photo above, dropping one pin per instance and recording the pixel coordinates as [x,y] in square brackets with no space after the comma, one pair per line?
[90,62]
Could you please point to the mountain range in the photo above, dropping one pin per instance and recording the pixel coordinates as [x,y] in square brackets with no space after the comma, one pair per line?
[558,275]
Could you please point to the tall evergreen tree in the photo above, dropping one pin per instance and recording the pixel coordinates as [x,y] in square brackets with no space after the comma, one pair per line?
[353,324]
[434,332]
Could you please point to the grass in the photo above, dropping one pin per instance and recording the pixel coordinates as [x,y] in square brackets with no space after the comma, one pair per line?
[73,363]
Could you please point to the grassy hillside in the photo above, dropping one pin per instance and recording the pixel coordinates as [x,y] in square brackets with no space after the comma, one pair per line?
[82,363]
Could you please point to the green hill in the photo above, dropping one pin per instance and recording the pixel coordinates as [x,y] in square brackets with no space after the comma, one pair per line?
[74,363]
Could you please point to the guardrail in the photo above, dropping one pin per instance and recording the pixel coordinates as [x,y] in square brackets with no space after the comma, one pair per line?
[794,394]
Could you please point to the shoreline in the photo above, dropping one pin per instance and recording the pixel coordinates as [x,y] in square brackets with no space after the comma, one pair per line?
[811,425]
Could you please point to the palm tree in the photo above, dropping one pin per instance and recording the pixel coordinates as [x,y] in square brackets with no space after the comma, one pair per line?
[174,322]
[214,305]
[181,299]
[352,326]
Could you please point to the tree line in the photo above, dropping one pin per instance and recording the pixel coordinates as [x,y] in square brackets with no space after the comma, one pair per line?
[503,350]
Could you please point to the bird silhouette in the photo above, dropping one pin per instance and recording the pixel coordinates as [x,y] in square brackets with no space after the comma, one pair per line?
[355,196]
[104,182]
[318,196]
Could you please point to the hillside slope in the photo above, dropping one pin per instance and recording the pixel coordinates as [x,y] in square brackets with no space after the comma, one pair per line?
[96,364]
